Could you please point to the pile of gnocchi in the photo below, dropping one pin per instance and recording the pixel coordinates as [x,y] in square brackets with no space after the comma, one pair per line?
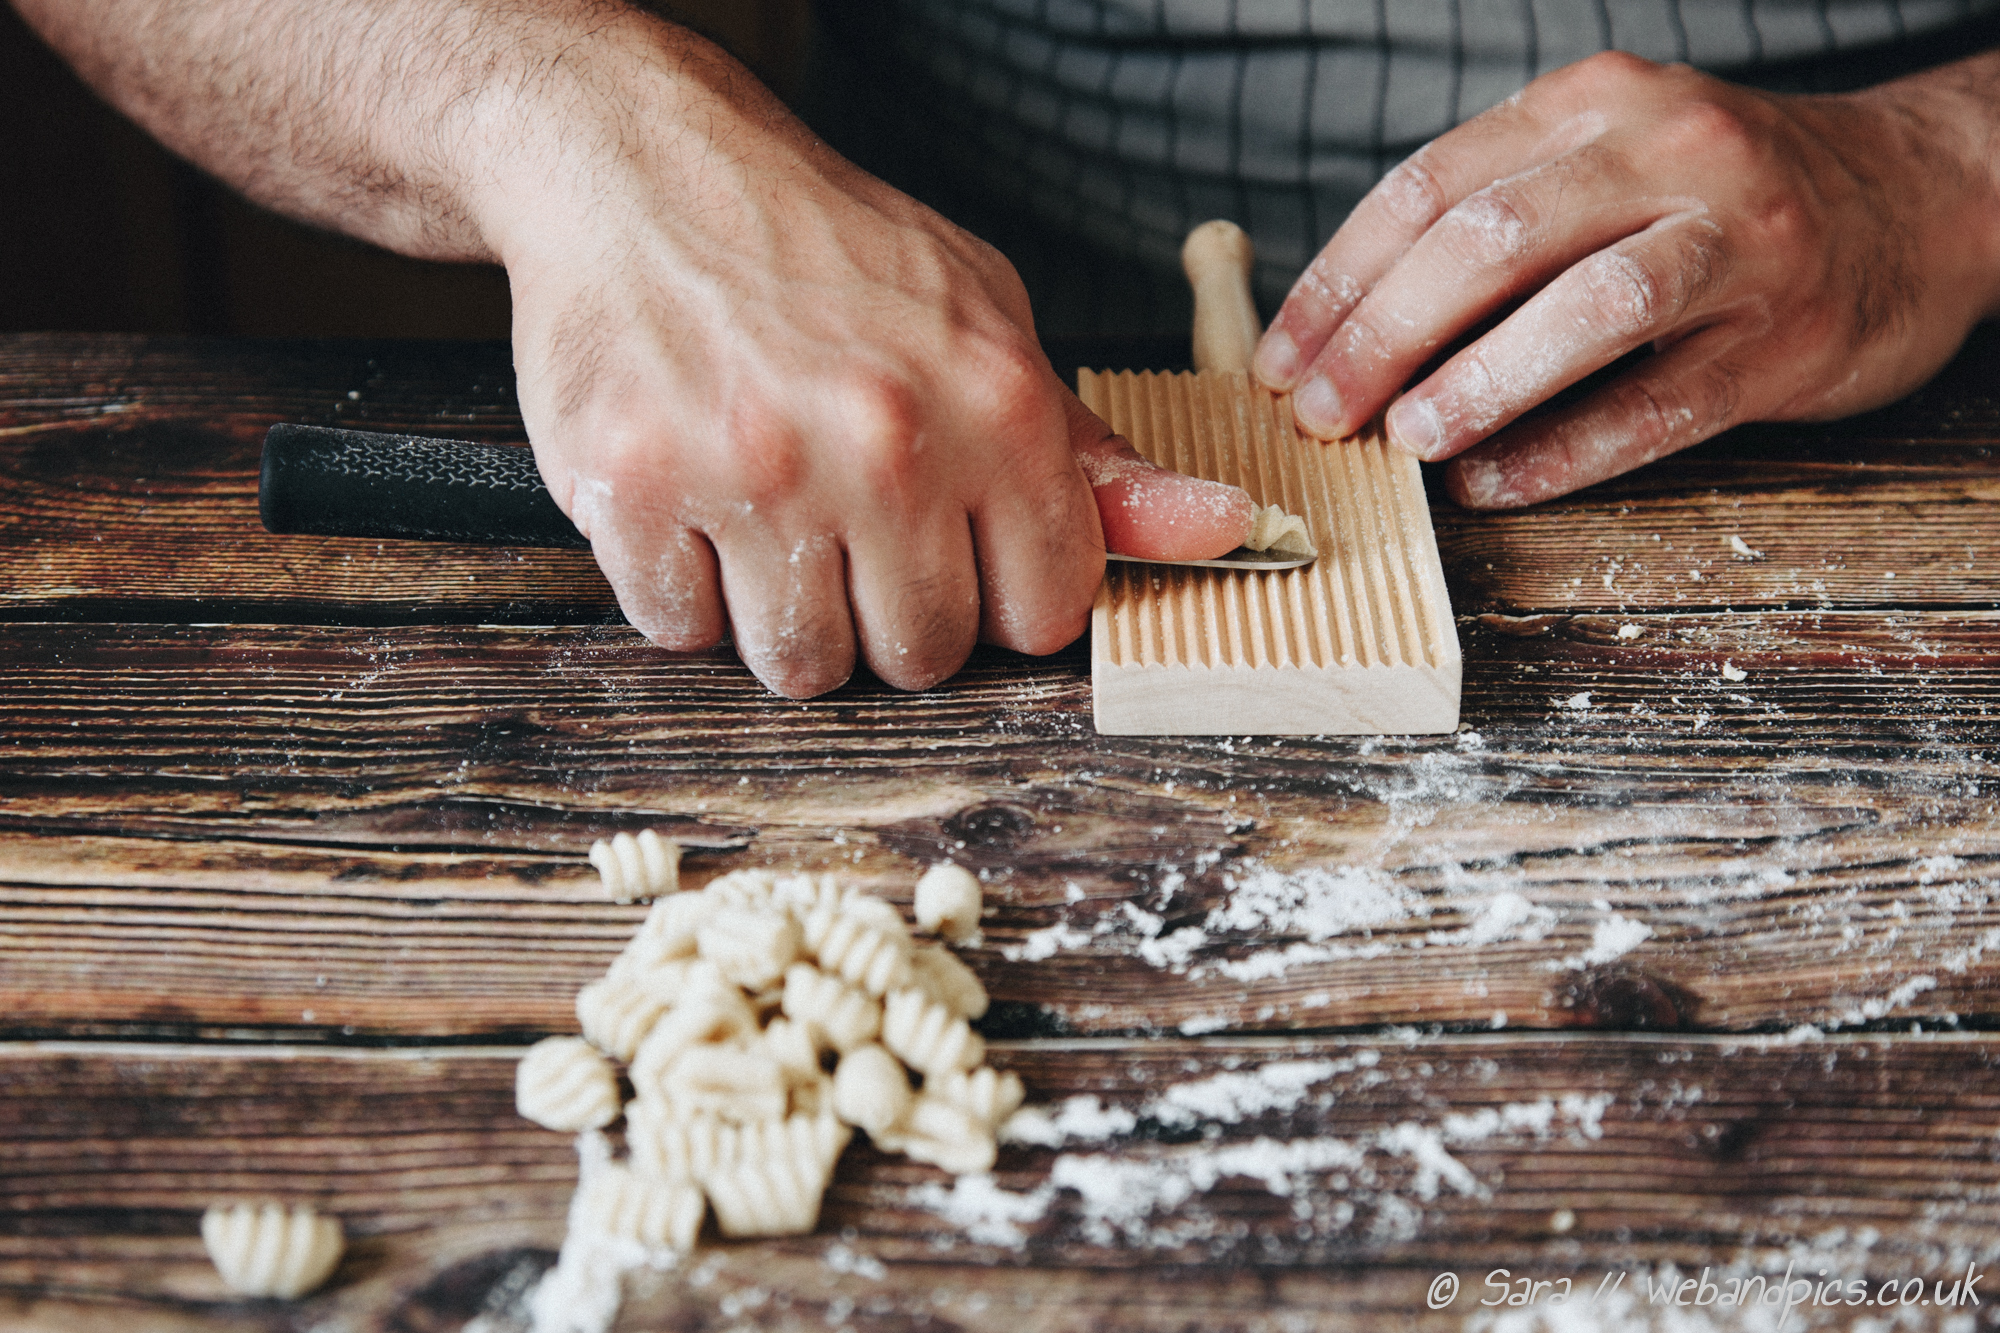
[760,1021]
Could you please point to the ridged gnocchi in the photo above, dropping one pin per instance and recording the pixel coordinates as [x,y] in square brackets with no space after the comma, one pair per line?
[616,1201]
[936,971]
[862,949]
[838,1016]
[927,1036]
[563,1083]
[948,902]
[616,1014]
[271,1250]
[761,1019]
[1272,529]
[631,868]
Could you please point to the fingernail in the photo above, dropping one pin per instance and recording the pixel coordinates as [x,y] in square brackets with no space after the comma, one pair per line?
[1277,360]
[1414,426]
[1317,407]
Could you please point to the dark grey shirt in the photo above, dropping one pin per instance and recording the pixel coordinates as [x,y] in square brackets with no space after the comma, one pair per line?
[1085,137]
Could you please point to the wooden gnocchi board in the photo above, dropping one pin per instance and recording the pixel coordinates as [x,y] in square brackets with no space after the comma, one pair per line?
[1359,642]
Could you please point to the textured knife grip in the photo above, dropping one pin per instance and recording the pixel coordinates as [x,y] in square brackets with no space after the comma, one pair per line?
[351,483]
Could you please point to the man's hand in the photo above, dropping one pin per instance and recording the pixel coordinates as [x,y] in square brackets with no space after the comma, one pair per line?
[783,401]
[1784,258]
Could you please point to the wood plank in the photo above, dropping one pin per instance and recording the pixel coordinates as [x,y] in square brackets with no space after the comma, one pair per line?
[1870,1155]
[120,456]
[1628,838]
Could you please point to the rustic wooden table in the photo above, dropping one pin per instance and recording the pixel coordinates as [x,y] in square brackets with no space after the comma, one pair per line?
[1681,954]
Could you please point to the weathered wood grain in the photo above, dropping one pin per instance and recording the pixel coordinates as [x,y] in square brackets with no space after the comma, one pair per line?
[212,828]
[1439,1153]
[128,481]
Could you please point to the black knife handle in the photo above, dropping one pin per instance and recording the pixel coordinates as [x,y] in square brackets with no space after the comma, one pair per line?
[354,483]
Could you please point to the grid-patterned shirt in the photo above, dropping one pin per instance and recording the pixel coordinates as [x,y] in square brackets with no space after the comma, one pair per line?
[1085,137]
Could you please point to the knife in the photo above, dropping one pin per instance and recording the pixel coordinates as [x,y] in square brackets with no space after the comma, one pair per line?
[355,483]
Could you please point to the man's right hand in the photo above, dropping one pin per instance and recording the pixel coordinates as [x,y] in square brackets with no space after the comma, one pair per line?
[784,401]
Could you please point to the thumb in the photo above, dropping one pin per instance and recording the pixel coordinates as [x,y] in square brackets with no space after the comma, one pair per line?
[1149,511]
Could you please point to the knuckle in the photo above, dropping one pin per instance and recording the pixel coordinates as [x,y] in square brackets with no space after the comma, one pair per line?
[1326,291]
[1474,386]
[1655,417]
[1412,192]
[1487,230]
[1626,298]
[1704,129]
[766,460]
[1006,385]
[1608,74]
[885,417]
[1363,345]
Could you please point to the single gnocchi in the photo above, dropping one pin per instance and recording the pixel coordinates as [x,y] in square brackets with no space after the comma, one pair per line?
[616,1014]
[989,1094]
[631,868]
[271,1250]
[867,950]
[777,1195]
[838,1016]
[944,1134]
[936,972]
[949,902]
[1272,529]
[870,1089]
[563,1083]
[751,948]
[927,1036]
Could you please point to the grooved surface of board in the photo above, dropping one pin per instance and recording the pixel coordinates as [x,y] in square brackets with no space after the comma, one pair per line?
[1359,641]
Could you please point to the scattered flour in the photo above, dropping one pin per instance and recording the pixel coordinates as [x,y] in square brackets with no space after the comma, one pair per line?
[987,1214]
[1506,915]
[1080,1117]
[1122,1196]
[1614,937]
[1316,903]
[1045,943]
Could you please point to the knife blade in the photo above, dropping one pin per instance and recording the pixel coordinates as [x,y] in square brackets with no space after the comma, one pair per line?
[333,482]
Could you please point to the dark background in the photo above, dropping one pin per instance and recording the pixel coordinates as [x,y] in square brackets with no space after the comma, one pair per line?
[102,230]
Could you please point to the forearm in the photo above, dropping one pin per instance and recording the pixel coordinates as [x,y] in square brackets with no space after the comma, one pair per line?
[420,125]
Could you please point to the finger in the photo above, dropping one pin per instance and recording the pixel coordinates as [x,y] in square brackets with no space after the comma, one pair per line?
[1398,212]
[1153,512]
[1634,293]
[1684,395]
[915,600]
[1040,545]
[1495,246]
[788,610]
[665,577]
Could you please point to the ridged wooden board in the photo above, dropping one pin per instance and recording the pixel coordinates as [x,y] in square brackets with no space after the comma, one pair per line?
[1360,642]
[1552,1157]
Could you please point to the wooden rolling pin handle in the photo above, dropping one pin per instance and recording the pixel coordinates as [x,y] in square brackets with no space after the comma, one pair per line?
[1217,257]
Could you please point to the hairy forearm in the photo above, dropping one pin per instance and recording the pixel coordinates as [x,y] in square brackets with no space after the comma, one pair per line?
[419,125]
